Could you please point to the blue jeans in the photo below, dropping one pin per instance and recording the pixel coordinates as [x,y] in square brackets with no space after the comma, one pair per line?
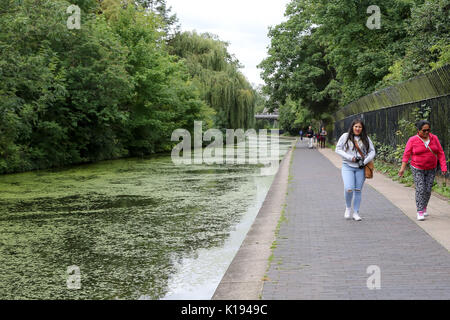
[353,183]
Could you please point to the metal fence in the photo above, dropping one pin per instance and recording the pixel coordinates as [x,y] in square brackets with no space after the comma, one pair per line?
[384,123]
[421,87]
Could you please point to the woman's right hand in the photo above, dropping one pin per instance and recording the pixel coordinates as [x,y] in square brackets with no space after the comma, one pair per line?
[402,169]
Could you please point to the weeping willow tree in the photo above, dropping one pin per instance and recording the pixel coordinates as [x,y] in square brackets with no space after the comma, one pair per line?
[217,74]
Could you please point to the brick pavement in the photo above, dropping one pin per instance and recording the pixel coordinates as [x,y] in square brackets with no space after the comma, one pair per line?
[320,255]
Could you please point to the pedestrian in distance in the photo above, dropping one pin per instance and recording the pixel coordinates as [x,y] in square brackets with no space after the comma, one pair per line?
[354,158]
[310,136]
[323,137]
[301,135]
[426,154]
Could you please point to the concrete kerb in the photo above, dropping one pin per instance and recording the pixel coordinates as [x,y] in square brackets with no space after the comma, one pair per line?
[437,224]
[244,278]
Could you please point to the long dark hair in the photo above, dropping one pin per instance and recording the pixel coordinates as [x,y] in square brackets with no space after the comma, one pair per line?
[363,135]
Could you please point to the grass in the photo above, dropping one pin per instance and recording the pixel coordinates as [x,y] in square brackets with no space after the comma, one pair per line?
[443,190]
[331,146]
[275,242]
[391,170]
[282,219]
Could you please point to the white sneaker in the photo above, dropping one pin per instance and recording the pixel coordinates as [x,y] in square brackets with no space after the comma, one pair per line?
[347,213]
[425,213]
[420,216]
[356,216]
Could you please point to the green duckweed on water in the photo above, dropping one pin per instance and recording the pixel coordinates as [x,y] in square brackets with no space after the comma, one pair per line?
[123,223]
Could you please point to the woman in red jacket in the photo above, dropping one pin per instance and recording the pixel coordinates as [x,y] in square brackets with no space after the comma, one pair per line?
[426,152]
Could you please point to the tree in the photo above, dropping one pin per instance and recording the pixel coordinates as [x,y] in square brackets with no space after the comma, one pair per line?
[428,42]
[164,98]
[216,73]
[61,89]
[160,7]
[109,89]
[346,59]
[296,67]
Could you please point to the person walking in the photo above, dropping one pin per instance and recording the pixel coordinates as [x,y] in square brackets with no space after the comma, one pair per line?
[310,136]
[301,135]
[323,137]
[353,163]
[426,153]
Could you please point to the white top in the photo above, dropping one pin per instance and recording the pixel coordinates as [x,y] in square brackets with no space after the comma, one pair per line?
[426,142]
[349,154]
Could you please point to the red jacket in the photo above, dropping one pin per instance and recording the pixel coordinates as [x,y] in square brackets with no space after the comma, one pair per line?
[422,157]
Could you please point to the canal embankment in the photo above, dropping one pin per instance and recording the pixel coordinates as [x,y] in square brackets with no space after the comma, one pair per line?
[244,277]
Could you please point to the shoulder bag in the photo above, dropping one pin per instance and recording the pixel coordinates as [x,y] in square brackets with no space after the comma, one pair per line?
[368,168]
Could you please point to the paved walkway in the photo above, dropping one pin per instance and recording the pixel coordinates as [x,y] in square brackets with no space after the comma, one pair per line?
[320,255]
[243,279]
[438,222]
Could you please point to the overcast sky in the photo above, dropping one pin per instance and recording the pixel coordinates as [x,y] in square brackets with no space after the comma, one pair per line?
[242,23]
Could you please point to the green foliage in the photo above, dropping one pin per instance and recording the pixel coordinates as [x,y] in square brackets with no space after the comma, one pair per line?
[387,153]
[216,73]
[60,89]
[442,189]
[160,7]
[325,55]
[406,129]
[109,89]
[427,44]
[296,67]
[294,116]
[260,99]
[327,51]
[164,97]
[442,50]
[287,117]
[391,170]
[86,6]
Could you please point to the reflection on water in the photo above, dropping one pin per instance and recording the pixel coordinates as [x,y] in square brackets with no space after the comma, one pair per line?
[136,228]
[198,275]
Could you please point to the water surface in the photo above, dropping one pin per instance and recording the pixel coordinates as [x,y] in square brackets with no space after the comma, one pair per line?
[136,228]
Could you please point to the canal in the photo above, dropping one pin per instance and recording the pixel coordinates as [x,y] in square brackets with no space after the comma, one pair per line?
[132,228]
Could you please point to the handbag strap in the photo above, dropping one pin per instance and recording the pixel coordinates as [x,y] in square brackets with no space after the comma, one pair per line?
[359,150]
[432,152]
[428,147]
